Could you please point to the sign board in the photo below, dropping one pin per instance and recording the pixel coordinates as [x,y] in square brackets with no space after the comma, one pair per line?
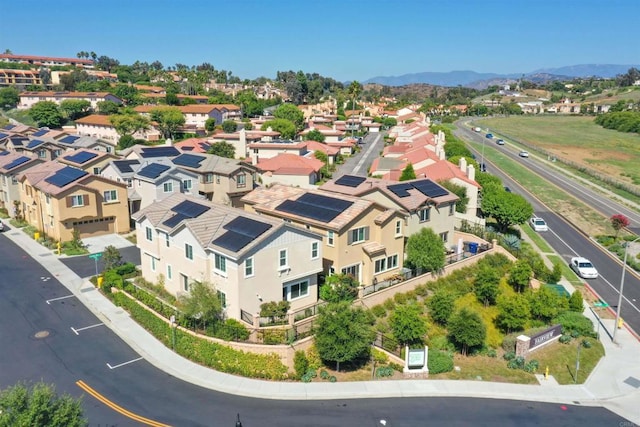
[416,358]
[545,336]
[96,256]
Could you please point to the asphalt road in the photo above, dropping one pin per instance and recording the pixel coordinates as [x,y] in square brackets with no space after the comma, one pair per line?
[567,240]
[84,266]
[46,334]
[359,163]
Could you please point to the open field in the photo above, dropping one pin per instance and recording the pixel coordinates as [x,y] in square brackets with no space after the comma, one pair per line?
[575,139]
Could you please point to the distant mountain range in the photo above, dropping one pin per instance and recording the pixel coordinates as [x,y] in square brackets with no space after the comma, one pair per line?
[482,80]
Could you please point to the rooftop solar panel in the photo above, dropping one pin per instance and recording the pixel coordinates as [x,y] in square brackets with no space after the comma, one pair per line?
[174,220]
[34,143]
[232,241]
[325,202]
[4,153]
[65,176]
[40,132]
[350,180]
[400,190]
[125,166]
[9,127]
[307,211]
[3,135]
[430,188]
[81,157]
[247,227]
[188,160]
[153,170]
[18,140]
[190,209]
[160,152]
[17,162]
[69,139]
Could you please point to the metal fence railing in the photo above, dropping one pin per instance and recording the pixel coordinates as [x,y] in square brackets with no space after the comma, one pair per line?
[246,317]
[388,343]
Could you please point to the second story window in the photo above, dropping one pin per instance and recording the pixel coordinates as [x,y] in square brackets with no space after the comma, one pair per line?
[314,250]
[129,182]
[452,209]
[330,238]
[77,201]
[242,180]
[208,178]
[110,196]
[248,267]
[220,263]
[168,187]
[149,234]
[283,262]
[167,242]
[358,235]
[42,154]
[188,251]
[186,185]
[398,227]
[424,214]
[217,179]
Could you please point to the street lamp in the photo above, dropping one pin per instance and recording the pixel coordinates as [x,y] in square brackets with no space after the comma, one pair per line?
[624,268]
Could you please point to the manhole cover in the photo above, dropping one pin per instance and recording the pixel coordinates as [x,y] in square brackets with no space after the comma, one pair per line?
[41,334]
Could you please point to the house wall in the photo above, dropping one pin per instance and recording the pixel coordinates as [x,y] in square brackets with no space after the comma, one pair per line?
[302,181]
[153,191]
[9,192]
[103,132]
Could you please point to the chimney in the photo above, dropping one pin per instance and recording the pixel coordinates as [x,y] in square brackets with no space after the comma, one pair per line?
[471,172]
[463,164]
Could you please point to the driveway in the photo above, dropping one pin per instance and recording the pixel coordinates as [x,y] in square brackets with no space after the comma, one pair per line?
[84,266]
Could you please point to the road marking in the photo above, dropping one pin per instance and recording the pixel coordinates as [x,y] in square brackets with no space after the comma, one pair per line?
[59,298]
[365,155]
[563,242]
[75,331]
[117,408]
[125,363]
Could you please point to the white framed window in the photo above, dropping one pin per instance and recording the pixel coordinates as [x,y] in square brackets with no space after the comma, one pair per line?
[283,262]
[167,242]
[386,263]
[168,187]
[315,250]
[129,182]
[187,185]
[220,263]
[110,196]
[169,272]
[398,227]
[248,267]
[452,209]
[149,234]
[184,280]
[358,235]
[77,201]
[208,178]
[424,214]
[352,270]
[42,154]
[444,236]
[242,180]
[188,251]
[295,290]
[152,263]
[330,237]
[223,298]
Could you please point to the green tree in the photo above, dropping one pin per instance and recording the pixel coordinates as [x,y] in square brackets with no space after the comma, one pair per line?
[210,124]
[222,149]
[70,81]
[169,120]
[128,124]
[506,208]
[108,107]
[344,333]
[129,94]
[46,113]
[545,303]
[275,310]
[460,191]
[201,304]
[112,257]
[556,273]
[315,135]
[575,302]
[441,305]
[487,285]
[467,329]
[286,128]
[292,113]
[339,287]
[520,275]
[425,250]
[39,406]
[229,126]
[408,173]
[408,324]
[9,97]
[75,108]
[513,312]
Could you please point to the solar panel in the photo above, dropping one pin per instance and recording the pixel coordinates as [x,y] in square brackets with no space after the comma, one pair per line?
[34,143]
[190,209]
[232,241]
[125,165]
[400,190]
[160,152]
[81,157]
[188,160]
[3,135]
[9,127]
[307,211]
[174,220]
[65,176]
[17,162]
[350,180]
[318,201]
[430,188]
[40,132]
[18,140]
[69,139]
[4,153]
[247,227]
[153,170]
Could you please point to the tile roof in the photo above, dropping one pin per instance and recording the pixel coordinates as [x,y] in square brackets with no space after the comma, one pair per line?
[290,164]
[95,119]
[190,109]
[319,146]
[193,145]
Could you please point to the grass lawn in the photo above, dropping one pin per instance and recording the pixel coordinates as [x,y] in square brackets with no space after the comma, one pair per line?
[561,359]
[535,237]
[567,272]
[485,368]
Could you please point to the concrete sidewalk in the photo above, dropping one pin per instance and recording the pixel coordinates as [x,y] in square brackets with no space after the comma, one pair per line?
[614,383]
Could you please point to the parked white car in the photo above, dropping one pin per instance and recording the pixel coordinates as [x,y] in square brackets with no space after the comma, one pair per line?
[583,268]
[538,224]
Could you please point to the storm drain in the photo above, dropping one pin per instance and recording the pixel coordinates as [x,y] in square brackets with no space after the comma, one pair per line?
[633,382]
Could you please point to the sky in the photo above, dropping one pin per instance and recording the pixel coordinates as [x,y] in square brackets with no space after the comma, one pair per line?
[342,39]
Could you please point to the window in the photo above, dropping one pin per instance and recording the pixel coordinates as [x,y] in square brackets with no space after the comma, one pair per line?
[242,180]
[169,274]
[14,179]
[149,233]
[166,239]
[77,201]
[188,251]
[168,187]
[295,290]
[153,263]
[424,214]
[385,264]
[452,209]
[398,227]
[217,179]
[282,259]
[352,270]
[248,267]
[223,299]
[220,263]
[358,235]
[444,236]
[96,171]
[208,178]
[314,250]
[110,196]
[129,182]
[330,237]
[186,185]
[185,282]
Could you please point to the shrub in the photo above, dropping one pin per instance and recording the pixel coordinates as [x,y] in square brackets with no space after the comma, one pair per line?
[586,343]
[516,363]
[125,269]
[274,336]
[509,355]
[509,342]
[400,298]
[389,304]
[439,362]
[379,356]
[232,330]
[300,363]
[384,371]
[332,379]
[324,375]
[575,323]
[492,353]
[441,343]
[379,310]
[565,339]
[314,358]
[532,366]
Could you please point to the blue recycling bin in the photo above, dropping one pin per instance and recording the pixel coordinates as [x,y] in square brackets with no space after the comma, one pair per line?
[473,247]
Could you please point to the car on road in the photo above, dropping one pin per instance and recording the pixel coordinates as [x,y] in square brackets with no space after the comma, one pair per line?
[500,142]
[1,226]
[523,154]
[538,224]
[583,268]
[476,129]
[489,135]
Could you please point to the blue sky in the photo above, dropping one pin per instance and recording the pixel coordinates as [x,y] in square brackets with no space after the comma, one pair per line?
[343,39]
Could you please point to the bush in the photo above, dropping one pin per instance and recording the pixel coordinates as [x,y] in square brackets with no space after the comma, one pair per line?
[384,371]
[274,336]
[509,342]
[532,366]
[586,343]
[400,298]
[332,379]
[125,269]
[324,375]
[232,330]
[492,353]
[300,363]
[575,323]
[509,355]
[379,310]
[565,339]
[439,362]
[516,363]
[379,356]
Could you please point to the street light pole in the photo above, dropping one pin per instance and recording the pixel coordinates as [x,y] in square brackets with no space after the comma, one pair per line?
[624,269]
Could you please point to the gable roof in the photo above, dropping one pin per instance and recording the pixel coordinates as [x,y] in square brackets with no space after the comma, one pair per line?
[290,164]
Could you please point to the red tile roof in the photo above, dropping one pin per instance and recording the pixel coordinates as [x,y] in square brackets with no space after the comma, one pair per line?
[290,164]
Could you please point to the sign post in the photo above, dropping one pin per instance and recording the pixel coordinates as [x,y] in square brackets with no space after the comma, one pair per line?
[96,257]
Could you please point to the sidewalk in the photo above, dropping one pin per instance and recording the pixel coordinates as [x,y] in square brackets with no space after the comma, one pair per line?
[614,383]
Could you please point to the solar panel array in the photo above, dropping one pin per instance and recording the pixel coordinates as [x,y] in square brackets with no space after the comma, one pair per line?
[65,176]
[3,135]
[160,151]
[425,186]
[350,180]
[184,210]
[40,132]
[9,127]
[124,166]
[240,232]
[69,139]
[153,170]
[34,143]
[17,162]
[315,206]
[4,153]
[81,157]
[18,140]
[188,160]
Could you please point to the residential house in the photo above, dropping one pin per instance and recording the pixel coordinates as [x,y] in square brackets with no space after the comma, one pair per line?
[123,171]
[361,237]
[266,150]
[250,259]
[346,146]
[243,138]
[19,78]
[47,61]
[193,145]
[143,152]
[329,151]
[331,134]
[159,178]
[99,126]
[290,169]
[196,115]
[29,98]
[12,164]
[59,199]
[92,161]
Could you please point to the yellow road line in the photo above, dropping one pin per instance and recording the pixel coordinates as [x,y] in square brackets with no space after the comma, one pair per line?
[118,408]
